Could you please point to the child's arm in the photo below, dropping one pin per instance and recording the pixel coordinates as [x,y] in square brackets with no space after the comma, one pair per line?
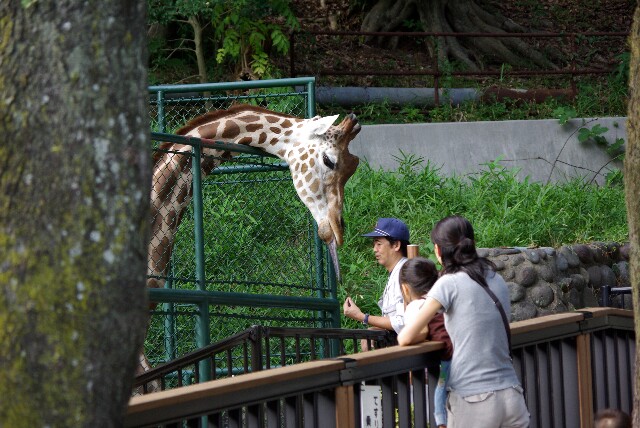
[417,331]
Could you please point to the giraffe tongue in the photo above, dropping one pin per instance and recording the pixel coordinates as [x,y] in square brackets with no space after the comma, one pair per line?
[333,252]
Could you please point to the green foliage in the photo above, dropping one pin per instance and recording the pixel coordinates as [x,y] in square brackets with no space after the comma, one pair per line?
[243,32]
[245,28]
[594,134]
[166,11]
[565,114]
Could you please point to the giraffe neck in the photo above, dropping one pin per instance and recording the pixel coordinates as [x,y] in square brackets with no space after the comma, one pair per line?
[268,131]
[172,177]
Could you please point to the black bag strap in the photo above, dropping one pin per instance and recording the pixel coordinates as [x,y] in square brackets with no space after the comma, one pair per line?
[507,329]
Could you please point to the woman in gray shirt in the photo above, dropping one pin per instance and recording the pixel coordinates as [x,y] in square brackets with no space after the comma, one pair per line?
[484,390]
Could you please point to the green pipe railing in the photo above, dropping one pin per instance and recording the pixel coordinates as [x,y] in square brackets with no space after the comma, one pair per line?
[240,299]
[250,159]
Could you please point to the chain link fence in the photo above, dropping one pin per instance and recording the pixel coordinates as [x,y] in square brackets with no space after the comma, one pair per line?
[261,262]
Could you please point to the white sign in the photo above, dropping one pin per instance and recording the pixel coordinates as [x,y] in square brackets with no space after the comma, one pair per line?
[370,406]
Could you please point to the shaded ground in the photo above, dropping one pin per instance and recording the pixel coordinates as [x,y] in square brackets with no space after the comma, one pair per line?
[353,53]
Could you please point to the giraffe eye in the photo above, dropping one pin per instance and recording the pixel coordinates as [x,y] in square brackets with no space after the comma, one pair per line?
[327,162]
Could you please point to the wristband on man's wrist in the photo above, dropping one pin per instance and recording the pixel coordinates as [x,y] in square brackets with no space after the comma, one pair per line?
[365,320]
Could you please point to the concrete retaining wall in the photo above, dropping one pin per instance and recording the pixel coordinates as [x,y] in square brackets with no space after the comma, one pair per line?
[541,149]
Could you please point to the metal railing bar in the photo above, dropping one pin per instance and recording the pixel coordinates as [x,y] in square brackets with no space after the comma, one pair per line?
[252,84]
[162,295]
[208,144]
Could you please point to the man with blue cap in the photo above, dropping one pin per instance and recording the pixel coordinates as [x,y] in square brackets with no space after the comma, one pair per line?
[390,240]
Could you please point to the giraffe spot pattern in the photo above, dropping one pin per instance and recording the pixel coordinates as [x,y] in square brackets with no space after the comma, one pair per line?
[272,119]
[281,153]
[171,218]
[250,118]
[304,156]
[253,127]
[262,138]
[208,164]
[315,185]
[312,162]
[288,133]
[231,129]
[182,195]
[287,123]
[245,140]
[308,177]
[304,168]
[275,129]
[209,130]
[273,141]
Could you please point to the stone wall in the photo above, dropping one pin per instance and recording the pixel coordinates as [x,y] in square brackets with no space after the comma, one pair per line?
[545,281]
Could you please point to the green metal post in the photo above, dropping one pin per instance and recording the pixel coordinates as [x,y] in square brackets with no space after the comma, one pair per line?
[331,274]
[162,123]
[169,321]
[203,334]
[318,244]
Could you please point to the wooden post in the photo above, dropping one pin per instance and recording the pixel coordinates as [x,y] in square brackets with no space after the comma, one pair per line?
[413,250]
[345,413]
[585,383]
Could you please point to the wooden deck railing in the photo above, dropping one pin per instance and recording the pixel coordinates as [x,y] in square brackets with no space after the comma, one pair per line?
[570,365]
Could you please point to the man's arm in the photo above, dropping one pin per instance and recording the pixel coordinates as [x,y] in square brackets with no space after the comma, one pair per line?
[352,311]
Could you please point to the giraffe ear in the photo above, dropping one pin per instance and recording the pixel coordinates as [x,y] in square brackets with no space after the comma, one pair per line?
[322,124]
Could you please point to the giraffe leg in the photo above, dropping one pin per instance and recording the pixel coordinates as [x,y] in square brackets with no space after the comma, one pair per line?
[142,367]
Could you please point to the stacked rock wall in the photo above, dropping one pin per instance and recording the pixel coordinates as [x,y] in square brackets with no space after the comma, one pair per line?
[545,281]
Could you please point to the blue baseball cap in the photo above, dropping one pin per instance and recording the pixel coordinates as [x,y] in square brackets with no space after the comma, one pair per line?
[390,228]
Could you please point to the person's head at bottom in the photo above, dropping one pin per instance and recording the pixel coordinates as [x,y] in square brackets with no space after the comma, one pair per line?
[612,418]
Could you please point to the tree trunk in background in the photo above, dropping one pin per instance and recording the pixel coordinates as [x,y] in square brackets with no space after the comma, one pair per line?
[632,193]
[198,48]
[460,16]
[75,171]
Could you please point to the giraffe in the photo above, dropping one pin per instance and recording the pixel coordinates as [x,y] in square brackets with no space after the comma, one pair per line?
[316,151]
[317,154]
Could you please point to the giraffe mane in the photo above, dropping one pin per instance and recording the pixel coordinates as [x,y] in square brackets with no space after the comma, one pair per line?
[210,117]
[218,114]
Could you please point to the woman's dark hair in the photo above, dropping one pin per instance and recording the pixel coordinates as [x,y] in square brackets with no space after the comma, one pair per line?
[419,273]
[454,236]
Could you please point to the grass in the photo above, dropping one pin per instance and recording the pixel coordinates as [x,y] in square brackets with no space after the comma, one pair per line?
[505,211]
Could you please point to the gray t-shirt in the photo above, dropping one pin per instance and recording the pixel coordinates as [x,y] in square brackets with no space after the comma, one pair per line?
[481,361]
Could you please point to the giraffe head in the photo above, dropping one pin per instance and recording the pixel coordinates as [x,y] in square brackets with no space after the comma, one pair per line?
[321,164]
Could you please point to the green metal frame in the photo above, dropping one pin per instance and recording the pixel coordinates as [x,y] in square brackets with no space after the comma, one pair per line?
[324,304]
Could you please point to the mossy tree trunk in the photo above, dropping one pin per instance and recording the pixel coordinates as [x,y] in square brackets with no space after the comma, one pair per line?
[632,192]
[74,195]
